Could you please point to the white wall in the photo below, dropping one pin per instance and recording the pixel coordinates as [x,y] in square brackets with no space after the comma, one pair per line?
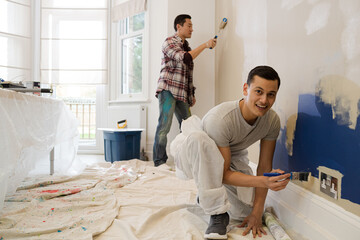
[241,45]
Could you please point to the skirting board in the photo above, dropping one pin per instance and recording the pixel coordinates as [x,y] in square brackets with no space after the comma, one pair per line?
[311,215]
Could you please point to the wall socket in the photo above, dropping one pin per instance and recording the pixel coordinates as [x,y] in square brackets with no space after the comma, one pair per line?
[329,185]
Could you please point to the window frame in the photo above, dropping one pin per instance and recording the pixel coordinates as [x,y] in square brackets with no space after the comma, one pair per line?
[115,84]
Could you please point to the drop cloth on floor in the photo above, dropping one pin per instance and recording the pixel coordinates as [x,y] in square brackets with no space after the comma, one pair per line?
[62,207]
[126,200]
[158,205]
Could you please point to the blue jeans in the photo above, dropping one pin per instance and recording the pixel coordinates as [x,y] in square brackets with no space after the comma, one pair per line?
[167,106]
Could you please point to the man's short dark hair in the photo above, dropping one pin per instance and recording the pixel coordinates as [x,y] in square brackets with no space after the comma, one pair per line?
[181,19]
[265,72]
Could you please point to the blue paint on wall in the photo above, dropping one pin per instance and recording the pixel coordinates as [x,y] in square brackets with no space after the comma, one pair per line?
[320,141]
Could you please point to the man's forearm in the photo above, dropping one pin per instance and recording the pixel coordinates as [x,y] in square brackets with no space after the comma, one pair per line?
[260,193]
[243,180]
[259,201]
[194,53]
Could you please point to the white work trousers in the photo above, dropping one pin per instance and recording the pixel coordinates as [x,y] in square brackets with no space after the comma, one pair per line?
[198,157]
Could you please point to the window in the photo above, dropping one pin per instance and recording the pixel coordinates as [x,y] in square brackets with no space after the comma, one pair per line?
[74,55]
[74,42]
[81,100]
[131,64]
[15,40]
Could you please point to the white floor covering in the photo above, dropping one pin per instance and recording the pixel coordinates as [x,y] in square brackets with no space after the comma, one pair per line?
[160,206]
[131,200]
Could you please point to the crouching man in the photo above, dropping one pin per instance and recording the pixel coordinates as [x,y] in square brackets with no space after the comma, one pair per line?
[214,153]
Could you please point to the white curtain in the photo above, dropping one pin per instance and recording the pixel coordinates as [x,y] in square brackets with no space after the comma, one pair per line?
[74,41]
[122,9]
[15,40]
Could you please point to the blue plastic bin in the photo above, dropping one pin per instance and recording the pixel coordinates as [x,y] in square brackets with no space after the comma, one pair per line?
[121,145]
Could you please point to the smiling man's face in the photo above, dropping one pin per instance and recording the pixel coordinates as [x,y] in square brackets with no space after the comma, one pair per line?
[259,97]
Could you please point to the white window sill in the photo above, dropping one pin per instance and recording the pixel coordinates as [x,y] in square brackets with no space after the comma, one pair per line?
[139,100]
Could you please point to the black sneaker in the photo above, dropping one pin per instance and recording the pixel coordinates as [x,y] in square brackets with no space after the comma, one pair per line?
[217,226]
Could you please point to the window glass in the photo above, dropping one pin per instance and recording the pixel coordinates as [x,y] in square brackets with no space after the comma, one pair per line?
[74,42]
[131,77]
[81,100]
[65,24]
[15,40]
[130,55]
[137,22]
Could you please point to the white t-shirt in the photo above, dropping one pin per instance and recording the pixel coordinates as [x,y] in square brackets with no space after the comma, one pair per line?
[227,127]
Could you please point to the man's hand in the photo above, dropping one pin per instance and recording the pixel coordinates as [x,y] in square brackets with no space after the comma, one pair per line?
[277,183]
[278,171]
[211,43]
[254,224]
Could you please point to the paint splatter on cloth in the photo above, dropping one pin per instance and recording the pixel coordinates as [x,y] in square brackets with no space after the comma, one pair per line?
[61,207]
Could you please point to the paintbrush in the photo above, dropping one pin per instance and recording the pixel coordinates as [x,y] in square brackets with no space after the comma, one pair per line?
[301,176]
[221,27]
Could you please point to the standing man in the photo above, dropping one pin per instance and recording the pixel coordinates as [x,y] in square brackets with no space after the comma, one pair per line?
[175,90]
[214,153]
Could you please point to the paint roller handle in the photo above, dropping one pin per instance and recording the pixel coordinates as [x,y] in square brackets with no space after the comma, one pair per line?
[216,36]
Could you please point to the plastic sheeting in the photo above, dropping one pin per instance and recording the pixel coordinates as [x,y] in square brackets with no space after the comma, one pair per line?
[30,127]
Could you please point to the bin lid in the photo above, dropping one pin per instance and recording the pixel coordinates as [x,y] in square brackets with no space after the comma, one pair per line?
[121,129]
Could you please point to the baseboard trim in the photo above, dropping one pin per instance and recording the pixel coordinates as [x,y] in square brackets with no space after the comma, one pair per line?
[312,216]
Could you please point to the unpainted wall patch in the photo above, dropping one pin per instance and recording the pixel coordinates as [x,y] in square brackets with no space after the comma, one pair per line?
[290,133]
[343,95]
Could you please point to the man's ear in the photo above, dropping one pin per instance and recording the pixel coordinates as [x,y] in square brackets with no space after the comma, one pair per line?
[245,89]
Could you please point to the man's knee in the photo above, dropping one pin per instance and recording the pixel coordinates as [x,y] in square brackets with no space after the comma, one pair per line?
[198,138]
[199,142]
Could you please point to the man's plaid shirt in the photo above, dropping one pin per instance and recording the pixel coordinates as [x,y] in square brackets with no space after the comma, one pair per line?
[177,70]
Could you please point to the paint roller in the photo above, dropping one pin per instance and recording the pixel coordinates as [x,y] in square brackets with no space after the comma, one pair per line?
[221,27]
